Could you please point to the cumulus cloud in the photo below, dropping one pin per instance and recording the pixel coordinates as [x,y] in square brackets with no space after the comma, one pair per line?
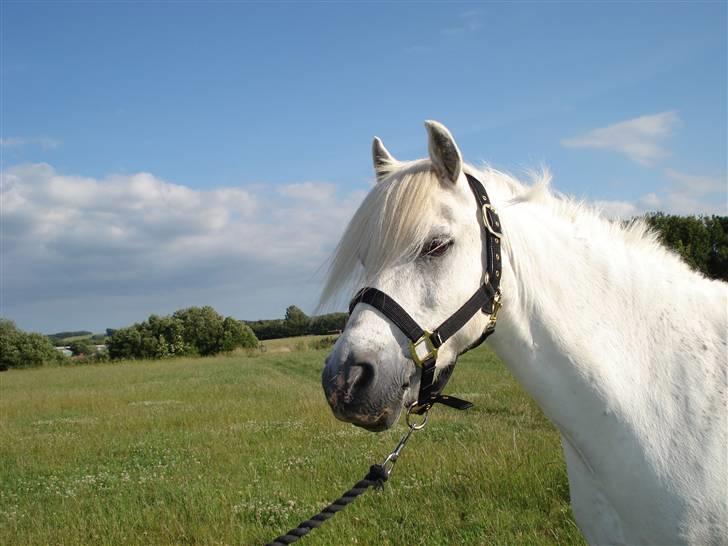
[617,209]
[640,139]
[697,185]
[77,239]
[682,194]
[687,193]
[309,191]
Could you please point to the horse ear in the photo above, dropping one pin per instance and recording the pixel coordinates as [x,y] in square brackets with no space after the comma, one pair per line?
[444,153]
[382,158]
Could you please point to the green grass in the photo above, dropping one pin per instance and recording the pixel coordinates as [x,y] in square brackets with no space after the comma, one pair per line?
[290,344]
[236,450]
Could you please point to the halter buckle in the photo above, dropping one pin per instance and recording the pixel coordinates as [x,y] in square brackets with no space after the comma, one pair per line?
[496,307]
[423,344]
[486,220]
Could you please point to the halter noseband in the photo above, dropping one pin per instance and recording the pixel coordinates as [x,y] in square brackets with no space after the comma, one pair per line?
[424,344]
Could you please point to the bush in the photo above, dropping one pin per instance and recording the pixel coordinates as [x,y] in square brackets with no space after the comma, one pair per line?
[192,331]
[82,347]
[20,349]
[236,334]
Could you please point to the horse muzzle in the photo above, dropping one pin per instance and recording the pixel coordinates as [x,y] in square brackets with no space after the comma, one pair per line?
[359,392]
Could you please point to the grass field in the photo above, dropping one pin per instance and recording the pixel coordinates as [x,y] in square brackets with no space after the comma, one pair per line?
[238,449]
[290,344]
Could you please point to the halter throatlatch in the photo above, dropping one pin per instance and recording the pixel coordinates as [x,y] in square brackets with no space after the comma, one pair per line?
[424,344]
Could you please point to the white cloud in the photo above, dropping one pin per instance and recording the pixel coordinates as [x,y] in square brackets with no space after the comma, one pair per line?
[309,191]
[81,252]
[697,185]
[640,138]
[617,209]
[77,239]
[44,142]
[684,194]
[687,193]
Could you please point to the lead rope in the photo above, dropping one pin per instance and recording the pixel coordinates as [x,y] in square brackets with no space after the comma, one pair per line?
[377,475]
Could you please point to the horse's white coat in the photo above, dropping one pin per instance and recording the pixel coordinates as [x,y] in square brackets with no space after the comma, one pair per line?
[620,343]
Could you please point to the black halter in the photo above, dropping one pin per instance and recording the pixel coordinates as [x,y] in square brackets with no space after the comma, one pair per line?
[424,344]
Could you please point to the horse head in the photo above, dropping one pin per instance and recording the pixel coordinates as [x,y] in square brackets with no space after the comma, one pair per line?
[418,239]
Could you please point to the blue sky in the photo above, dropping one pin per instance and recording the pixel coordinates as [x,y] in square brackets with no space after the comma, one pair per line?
[159,155]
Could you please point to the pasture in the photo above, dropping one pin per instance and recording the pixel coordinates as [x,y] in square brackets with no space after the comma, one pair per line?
[238,449]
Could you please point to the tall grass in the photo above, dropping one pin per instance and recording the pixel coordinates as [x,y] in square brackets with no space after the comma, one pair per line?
[236,450]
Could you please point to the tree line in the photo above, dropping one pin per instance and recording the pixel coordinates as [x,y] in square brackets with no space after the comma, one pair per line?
[195,331]
[702,242]
[58,337]
[297,323]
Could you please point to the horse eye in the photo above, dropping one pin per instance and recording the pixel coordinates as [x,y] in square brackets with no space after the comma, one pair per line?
[436,248]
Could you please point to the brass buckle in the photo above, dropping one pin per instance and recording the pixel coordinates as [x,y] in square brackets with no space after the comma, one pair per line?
[486,220]
[496,307]
[425,341]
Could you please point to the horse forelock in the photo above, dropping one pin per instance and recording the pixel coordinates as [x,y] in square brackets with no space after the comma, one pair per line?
[392,224]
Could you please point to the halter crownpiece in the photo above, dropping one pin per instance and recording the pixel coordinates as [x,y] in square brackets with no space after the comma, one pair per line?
[424,344]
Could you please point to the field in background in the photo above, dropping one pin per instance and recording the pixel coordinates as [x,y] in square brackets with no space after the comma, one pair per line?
[298,343]
[238,449]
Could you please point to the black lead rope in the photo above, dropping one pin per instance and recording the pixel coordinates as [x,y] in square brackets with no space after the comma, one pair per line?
[377,475]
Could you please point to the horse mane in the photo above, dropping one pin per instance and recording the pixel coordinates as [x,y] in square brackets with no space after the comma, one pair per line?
[585,217]
[393,222]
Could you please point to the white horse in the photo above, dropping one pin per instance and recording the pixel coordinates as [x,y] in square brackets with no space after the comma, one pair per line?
[619,342]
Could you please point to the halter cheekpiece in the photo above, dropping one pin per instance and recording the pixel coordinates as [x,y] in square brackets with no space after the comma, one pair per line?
[424,344]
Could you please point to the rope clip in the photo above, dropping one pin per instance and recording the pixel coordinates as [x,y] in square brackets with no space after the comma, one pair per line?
[391,459]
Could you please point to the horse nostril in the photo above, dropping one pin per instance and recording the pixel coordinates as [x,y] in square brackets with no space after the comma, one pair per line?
[359,377]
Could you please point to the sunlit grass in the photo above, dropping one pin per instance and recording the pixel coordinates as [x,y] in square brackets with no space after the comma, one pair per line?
[236,450]
[290,344]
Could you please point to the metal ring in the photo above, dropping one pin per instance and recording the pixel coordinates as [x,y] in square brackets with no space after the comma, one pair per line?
[417,426]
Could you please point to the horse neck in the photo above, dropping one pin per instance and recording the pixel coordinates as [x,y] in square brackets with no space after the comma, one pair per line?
[619,343]
[573,325]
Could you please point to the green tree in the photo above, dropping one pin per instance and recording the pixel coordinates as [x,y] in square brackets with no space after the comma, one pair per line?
[296,321]
[169,333]
[82,347]
[718,257]
[192,331]
[702,242]
[236,334]
[268,329]
[126,343]
[20,349]
[327,324]
[202,327]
